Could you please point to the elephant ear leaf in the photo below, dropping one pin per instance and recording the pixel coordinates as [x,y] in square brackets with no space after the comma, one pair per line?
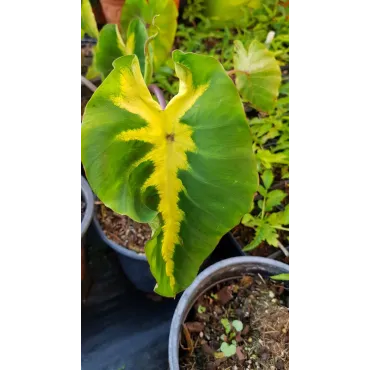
[166,21]
[190,168]
[136,37]
[88,22]
[258,75]
[110,46]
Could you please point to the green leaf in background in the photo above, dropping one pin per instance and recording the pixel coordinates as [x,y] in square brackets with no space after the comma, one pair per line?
[136,37]
[250,221]
[268,159]
[88,23]
[262,190]
[110,46]
[146,10]
[258,75]
[92,72]
[274,198]
[283,277]
[264,232]
[279,218]
[267,178]
[177,164]
[229,12]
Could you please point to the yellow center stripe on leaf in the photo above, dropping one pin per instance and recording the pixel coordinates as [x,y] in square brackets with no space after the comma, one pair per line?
[171,140]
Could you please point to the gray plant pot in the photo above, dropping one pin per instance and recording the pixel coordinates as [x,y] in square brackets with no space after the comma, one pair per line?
[88,196]
[224,270]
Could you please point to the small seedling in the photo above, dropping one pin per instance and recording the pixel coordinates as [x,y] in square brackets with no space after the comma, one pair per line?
[201,309]
[228,349]
[226,324]
[238,325]
[230,330]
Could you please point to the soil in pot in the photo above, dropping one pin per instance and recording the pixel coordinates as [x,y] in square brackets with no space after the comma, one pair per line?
[122,230]
[248,318]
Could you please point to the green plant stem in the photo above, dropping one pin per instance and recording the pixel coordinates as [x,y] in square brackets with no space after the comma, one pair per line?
[263,208]
[280,228]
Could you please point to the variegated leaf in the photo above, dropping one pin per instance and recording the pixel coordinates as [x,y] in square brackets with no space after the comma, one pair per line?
[111,46]
[258,75]
[166,21]
[189,167]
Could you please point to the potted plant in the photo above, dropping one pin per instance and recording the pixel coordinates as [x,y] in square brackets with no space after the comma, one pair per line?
[234,315]
[87,211]
[171,168]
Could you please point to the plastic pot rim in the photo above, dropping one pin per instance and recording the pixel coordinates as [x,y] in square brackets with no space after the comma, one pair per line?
[118,248]
[88,196]
[192,292]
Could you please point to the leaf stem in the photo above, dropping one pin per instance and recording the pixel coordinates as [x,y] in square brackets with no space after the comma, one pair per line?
[263,208]
[88,84]
[285,251]
[159,94]
[280,227]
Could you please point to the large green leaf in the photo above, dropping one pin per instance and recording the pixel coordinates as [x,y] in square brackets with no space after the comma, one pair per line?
[110,46]
[229,12]
[88,23]
[166,22]
[191,165]
[258,75]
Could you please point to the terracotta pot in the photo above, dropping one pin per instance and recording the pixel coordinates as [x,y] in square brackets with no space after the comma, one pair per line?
[112,9]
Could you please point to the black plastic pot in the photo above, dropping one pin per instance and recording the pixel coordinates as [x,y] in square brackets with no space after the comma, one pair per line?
[136,266]
[224,270]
